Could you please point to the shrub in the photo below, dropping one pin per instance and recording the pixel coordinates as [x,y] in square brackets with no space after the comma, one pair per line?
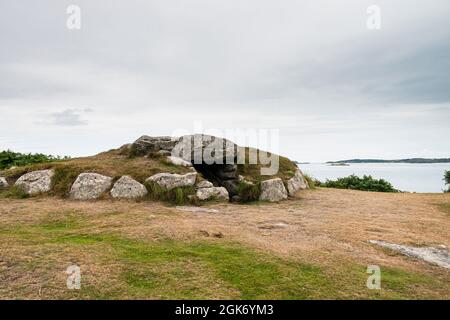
[178,196]
[10,159]
[248,192]
[366,183]
[447,179]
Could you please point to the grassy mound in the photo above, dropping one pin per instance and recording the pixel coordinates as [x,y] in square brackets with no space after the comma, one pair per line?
[118,162]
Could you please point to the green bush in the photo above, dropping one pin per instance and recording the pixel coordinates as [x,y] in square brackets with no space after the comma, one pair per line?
[10,159]
[178,196]
[366,183]
[248,192]
[447,179]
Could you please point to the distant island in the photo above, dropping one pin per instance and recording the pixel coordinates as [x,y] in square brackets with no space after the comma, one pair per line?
[411,160]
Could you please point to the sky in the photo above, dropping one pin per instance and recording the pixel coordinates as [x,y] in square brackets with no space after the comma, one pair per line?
[310,71]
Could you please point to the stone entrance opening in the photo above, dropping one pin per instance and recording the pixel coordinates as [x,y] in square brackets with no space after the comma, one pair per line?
[223,175]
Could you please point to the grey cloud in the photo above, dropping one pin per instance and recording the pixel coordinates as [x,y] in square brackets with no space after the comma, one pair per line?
[309,68]
[67,117]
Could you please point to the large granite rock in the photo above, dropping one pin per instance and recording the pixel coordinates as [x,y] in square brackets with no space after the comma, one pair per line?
[273,190]
[128,188]
[202,148]
[36,182]
[147,145]
[296,183]
[3,183]
[89,186]
[169,181]
[217,193]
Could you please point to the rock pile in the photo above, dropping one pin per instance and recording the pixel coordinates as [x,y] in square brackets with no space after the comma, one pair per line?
[219,170]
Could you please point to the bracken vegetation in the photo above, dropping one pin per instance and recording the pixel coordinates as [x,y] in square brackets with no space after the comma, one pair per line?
[366,183]
[10,159]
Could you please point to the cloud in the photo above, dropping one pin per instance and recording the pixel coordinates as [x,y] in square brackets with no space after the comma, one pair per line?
[309,68]
[67,118]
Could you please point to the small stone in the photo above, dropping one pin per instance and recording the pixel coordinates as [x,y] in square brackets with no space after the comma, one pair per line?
[164,152]
[218,193]
[204,184]
[179,162]
[3,183]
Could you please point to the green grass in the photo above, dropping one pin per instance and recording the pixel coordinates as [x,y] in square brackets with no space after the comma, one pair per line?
[311,181]
[171,269]
[252,172]
[13,192]
[177,196]
[249,192]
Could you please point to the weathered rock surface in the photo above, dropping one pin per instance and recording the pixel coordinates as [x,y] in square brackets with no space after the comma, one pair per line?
[3,183]
[296,183]
[36,182]
[169,181]
[219,193]
[202,148]
[440,257]
[128,188]
[179,162]
[146,145]
[89,186]
[204,184]
[273,190]
[197,209]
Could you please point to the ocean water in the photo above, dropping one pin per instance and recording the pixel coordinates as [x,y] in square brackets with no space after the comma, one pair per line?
[403,176]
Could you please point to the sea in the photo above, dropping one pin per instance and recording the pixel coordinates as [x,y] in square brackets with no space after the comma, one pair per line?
[423,178]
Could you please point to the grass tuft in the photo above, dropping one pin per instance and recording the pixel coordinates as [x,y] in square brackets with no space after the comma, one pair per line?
[14,192]
[177,196]
[249,192]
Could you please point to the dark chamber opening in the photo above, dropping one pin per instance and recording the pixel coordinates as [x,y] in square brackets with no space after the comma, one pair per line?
[223,175]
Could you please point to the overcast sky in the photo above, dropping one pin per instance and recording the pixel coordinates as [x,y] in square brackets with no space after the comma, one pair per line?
[312,69]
